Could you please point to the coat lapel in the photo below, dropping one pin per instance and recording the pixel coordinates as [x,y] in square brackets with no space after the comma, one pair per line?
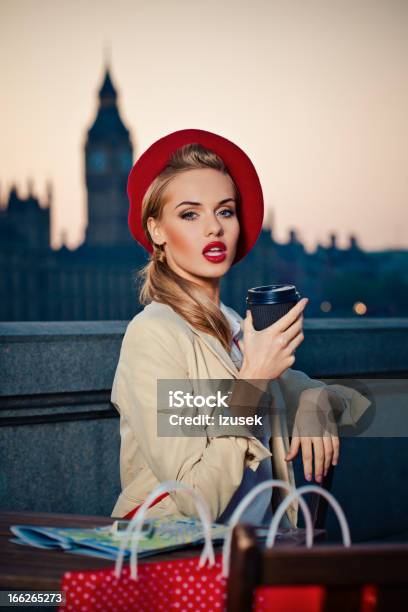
[216,347]
[210,341]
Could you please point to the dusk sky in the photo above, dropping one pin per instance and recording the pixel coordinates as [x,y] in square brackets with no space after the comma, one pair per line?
[315,92]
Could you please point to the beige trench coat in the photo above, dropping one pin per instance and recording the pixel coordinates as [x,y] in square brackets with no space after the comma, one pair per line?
[160,344]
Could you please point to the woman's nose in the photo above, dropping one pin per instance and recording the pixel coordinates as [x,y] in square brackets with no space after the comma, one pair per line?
[214,226]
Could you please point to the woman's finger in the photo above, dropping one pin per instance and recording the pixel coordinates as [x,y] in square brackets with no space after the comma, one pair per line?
[306,443]
[328,453]
[294,448]
[293,330]
[318,449]
[290,317]
[292,346]
[336,449]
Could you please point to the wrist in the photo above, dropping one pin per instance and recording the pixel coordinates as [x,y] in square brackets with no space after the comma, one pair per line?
[254,377]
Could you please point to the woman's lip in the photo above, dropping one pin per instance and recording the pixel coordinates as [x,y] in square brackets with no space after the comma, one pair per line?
[217,257]
[215,244]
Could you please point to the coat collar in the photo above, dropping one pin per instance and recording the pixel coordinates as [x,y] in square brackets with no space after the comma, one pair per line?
[231,316]
[210,341]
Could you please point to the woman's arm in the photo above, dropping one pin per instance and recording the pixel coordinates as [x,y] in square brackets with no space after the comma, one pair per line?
[316,409]
[349,405]
[349,402]
[153,350]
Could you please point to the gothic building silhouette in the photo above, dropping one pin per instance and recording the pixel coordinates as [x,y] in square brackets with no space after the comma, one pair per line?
[97,280]
[24,222]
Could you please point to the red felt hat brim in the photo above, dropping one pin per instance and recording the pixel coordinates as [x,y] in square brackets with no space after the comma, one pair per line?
[156,157]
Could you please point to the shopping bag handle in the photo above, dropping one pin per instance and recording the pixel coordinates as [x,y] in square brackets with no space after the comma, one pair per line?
[134,529]
[246,501]
[273,528]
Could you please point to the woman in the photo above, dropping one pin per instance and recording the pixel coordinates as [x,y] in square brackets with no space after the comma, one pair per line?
[196,204]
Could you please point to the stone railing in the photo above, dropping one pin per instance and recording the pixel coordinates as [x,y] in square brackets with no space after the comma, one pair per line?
[59,434]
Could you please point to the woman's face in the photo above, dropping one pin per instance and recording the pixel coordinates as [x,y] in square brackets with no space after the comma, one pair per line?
[199,209]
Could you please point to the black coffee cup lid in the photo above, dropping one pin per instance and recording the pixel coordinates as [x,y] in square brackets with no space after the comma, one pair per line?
[272,294]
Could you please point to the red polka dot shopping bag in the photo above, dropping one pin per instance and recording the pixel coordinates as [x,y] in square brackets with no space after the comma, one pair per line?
[191,584]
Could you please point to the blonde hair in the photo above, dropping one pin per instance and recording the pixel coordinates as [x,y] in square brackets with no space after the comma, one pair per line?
[159,281]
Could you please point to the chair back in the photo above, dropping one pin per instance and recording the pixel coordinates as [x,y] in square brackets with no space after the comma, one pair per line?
[342,571]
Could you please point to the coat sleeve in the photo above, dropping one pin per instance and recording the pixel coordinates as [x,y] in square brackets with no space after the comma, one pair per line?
[352,403]
[153,349]
[292,382]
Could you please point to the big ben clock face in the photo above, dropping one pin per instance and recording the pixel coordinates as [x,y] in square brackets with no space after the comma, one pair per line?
[125,160]
[97,161]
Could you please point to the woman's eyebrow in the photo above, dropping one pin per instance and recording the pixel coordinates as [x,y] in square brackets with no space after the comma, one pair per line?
[199,203]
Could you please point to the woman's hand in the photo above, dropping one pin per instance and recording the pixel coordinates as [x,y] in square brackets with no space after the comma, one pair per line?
[270,351]
[315,430]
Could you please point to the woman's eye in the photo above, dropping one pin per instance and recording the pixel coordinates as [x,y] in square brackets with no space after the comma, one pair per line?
[186,215]
[227,210]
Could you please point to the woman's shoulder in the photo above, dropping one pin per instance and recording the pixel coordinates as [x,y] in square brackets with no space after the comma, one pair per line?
[157,319]
[154,342]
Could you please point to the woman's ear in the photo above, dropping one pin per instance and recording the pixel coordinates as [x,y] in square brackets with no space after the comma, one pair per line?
[155,231]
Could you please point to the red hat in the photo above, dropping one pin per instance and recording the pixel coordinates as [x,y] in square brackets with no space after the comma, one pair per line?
[251,211]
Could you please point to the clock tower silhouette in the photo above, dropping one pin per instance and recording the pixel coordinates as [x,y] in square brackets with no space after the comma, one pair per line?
[108,160]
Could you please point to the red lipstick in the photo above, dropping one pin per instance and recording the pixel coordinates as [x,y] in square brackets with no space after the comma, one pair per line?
[215,252]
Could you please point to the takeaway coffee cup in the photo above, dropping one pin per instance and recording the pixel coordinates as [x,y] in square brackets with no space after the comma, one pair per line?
[270,302]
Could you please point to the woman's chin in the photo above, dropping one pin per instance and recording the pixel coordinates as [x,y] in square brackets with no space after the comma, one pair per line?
[206,269]
[215,270]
